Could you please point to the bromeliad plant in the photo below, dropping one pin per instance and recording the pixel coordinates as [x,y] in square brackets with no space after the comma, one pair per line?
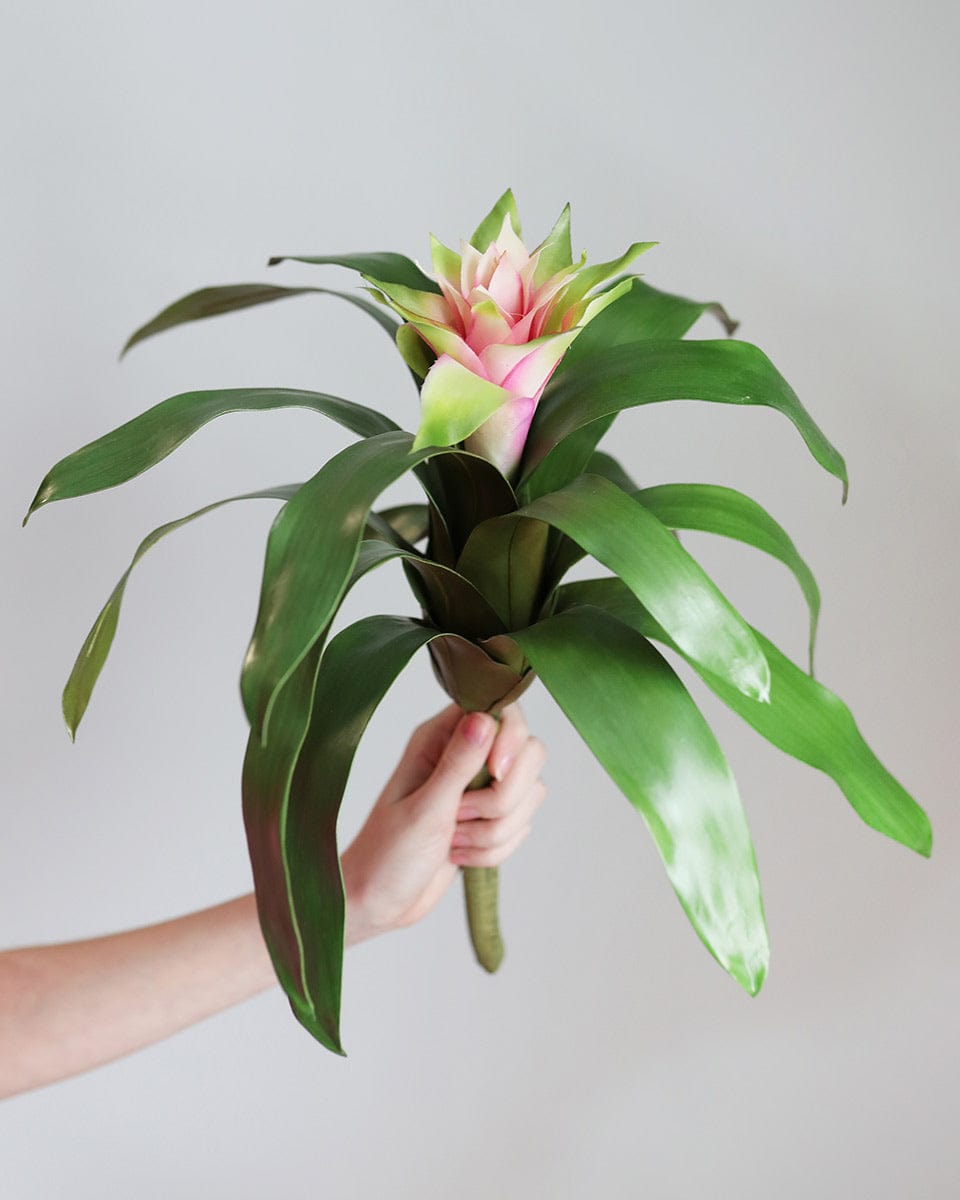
[523,359]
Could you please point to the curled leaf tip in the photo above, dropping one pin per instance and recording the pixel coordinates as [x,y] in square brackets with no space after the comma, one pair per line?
[274,259]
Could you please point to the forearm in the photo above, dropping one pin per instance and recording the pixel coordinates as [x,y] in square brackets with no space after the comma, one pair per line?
[66,1008]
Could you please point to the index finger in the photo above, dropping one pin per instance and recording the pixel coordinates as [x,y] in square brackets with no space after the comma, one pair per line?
[511,738]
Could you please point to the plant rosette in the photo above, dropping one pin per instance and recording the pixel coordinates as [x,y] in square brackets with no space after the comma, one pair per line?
[522,359]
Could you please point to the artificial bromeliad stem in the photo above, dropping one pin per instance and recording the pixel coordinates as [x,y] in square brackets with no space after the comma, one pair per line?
[481,887]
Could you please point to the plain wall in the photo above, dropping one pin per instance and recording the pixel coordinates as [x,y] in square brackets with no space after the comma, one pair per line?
[798,163]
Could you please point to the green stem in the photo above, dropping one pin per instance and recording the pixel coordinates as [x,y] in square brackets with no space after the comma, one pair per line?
[480,891]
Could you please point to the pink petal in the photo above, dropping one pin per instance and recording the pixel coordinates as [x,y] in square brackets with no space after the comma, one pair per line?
[486,324]
[443,340]
[529,377]
[502,437]
[509,244]
[505,287]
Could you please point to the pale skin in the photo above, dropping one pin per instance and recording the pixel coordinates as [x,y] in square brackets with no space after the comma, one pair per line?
[66,1008]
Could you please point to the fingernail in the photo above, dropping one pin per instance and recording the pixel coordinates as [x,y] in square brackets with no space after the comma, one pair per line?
[477,728]
[460,839]
[502,766]
[468,812]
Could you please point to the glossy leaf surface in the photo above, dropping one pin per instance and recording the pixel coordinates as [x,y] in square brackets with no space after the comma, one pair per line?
[465,489]
[357,669]
[729,513]
[621,534]
[803,718]
[642,314]
[381,264]
[139,444]
[311,551]
[215,301]
[636,716]
[506,560]
[652,371]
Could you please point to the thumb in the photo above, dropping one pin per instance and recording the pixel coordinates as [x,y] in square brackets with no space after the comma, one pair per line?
[462,758]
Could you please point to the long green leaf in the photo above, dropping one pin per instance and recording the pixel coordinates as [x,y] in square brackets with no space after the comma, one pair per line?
[621,534]
[139,444]
[311,551]
[642,314]
[293,786]
[267,773]
[96,647]
[724,511]
[215,301]
[357,669]
[381,264]
[637,718]
[803,718]
[652,371]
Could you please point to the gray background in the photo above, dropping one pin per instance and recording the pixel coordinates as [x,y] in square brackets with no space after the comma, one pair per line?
[798,163]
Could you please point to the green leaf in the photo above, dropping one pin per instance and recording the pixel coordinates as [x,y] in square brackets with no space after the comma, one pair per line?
[642,314]
[648,372]
[802,718]
[381,264]
[588,278]
[293,787]
[96,647]
[311,551]
[465,489]
[731,514]
[454,403]
[505,559]
[139,444]
[214,301]
[415,352]
[637,718]
[621,534]
[410,521]
[556,252]
[486,232]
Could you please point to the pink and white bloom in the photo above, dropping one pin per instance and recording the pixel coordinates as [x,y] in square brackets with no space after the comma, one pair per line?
[501,322]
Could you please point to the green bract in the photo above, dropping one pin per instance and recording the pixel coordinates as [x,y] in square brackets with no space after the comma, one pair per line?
[524,360]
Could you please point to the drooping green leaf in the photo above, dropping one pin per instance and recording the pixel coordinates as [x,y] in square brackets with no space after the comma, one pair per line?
[637,718]
[486,232]
[267,772]
[802,718]
[724,511]
[649,372]
[293,787]
[620,533]
[358,668]
[381,264]
[141,443]
[96,647]
[311,551]
[642,314]
[215,301]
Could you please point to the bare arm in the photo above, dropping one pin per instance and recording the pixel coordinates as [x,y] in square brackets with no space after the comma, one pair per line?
[69,1007]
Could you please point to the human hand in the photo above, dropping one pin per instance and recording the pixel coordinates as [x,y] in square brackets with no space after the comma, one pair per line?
[423,827]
